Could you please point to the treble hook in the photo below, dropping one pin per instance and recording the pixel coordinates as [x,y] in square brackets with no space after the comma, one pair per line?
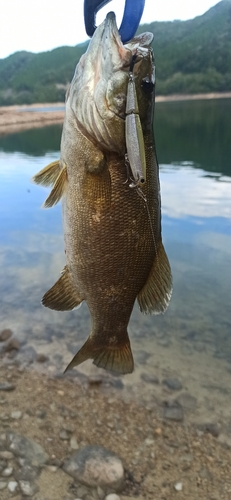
[133,11]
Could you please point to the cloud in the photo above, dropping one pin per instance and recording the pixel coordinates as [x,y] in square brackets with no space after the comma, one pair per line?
[38,26]
[187,191]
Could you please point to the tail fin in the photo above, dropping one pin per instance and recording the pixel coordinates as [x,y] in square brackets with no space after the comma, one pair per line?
[117,359]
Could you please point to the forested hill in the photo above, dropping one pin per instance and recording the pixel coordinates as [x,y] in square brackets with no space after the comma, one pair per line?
[191,57]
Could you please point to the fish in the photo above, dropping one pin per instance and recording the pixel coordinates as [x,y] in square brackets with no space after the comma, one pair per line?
[111,206]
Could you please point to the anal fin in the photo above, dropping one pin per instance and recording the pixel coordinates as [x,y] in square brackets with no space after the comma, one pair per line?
[48,175]
[155,295]
[57,190]
[63,295]
[117,359]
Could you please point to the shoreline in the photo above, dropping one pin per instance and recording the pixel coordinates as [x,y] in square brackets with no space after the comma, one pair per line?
[17,118]
[193,97]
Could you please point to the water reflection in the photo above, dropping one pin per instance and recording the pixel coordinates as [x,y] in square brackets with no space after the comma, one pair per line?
[195,331]
[194,194]
[34,142]
[197,131]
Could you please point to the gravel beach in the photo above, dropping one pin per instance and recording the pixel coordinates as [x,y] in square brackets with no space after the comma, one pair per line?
[56,417]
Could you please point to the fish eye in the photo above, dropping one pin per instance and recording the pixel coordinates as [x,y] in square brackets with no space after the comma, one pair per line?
[147,85]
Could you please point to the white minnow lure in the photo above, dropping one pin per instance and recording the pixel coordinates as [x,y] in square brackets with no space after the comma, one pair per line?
[134,134]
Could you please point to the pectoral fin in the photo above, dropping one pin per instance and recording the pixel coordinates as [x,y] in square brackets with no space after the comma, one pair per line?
[97,191]
[58,189]
[63,295]
[48,175]
[156,293]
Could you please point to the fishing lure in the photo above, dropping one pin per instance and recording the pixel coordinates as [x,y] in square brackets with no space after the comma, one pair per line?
[134,134]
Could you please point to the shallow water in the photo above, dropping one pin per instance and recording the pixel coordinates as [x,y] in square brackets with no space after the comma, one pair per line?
[192,340]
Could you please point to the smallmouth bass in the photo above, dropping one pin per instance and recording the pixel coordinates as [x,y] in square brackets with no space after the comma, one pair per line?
[112,225]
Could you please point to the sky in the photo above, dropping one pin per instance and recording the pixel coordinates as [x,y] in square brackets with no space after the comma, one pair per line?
[40,25]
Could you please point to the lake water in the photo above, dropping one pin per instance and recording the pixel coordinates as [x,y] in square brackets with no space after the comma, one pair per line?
[192,340]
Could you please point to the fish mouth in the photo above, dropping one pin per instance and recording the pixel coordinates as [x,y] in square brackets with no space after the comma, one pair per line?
[112,44]
[99,88]
[106,51]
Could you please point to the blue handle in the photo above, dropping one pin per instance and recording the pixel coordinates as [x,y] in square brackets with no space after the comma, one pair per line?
[133,11]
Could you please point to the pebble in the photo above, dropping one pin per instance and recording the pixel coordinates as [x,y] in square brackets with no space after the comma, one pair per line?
[52,468]
[142,356]
[28,449]
[12,486]
[42,358]
[16,415]
[4,417]
[205,473]
[6,386]
[13,344]
[27,355]
[7,455]
[96,466]
[60,393]
[187,457]
[172,383]
[96,380]
[28,489]
[73,443]
[68,428]
[150,379]
[173,411]
[26,472]
[64,435]
[186,400]
[112,496]
[225,440]
[2,485]
[210,428]
[100,493]
[149,441]
[5,334]
[41,413]
[82,491]
[178,486]
[7,472]
[158,431]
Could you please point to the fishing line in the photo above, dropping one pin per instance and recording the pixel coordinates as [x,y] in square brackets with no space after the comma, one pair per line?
[142,195]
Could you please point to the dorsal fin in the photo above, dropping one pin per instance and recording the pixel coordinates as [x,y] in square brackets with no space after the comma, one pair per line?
[63,296]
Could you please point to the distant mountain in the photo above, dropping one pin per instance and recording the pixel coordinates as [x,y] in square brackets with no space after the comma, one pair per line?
[194,56]
[191,57]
